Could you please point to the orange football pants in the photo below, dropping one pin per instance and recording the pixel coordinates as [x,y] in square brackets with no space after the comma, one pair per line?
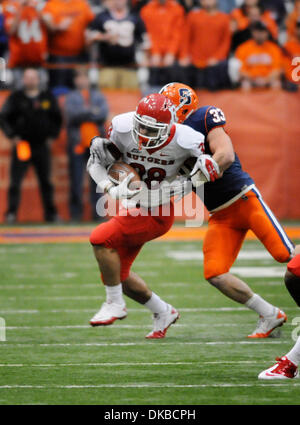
[227,229]
[128,233]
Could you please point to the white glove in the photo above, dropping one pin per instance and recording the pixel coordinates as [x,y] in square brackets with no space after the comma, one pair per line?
[122,191]
[151,198]
[98,149]
[180,188]
[205,170]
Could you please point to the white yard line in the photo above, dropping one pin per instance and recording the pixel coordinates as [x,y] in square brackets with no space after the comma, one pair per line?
[120,326]
[79,285]
[151,385]
[128,364]
[145,343]
[195,255]
[136,310]
[259,272]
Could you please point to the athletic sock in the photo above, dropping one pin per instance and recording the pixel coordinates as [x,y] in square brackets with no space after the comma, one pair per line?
[294,354]
[262,307]
[156,304]
[114,294]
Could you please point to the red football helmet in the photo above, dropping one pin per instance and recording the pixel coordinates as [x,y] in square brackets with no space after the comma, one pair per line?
[183,97]
[152,122]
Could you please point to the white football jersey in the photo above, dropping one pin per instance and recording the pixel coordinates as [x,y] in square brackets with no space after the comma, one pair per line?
[161,163]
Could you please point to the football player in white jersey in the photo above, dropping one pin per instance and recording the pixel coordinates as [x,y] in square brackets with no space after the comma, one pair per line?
[151,142]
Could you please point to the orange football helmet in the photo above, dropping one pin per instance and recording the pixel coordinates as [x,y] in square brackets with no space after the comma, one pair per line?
[183,97]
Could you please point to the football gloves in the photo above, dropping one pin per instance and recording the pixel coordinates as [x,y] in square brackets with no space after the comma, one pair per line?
[98,149]
[205,170]
[122,191]
[180,188]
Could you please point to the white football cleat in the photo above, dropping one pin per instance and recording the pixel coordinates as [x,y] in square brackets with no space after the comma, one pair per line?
[108,314]
[266,325]
[162,321]
[283,369]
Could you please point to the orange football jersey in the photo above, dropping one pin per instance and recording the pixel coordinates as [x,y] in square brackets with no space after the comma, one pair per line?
[28,45]
[69,42]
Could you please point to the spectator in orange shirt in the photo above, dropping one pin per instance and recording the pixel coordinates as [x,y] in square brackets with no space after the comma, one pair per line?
[260,60]
[27,33]
[164,20]
[292,51]
[66,21]
[291,21]
[242,18]
[206,43]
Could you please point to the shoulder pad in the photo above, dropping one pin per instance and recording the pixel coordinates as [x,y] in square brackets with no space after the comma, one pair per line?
[187,137]
[123,123]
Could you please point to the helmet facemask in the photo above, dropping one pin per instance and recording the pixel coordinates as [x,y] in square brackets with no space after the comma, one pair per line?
[148,132]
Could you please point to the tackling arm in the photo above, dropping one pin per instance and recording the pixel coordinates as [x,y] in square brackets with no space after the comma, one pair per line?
[221,148]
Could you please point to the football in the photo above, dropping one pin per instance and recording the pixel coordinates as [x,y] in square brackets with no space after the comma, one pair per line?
[118,171]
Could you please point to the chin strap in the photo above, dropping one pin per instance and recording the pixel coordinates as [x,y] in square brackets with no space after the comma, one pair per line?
[140,144]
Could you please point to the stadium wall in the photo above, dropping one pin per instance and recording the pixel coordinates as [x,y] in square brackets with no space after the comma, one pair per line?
[264,127]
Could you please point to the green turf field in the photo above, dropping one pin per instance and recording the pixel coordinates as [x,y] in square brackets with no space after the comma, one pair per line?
[48,293]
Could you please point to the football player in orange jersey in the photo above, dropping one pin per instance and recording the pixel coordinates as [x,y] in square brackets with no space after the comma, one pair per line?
[27,33]
[235,206]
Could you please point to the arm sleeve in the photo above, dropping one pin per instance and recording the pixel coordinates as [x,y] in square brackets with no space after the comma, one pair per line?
[98,172]
[214,117]
[115,139]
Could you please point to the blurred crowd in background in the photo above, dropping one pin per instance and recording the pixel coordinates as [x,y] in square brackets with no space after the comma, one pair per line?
[75,48]
[212,44]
